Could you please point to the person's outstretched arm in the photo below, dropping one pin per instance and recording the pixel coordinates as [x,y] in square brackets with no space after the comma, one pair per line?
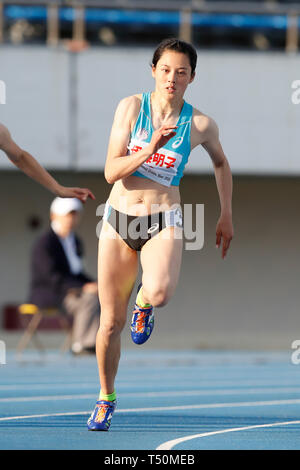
[29,165]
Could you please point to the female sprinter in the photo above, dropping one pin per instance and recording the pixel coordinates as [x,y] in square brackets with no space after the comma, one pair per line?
[23,160]
[151,138]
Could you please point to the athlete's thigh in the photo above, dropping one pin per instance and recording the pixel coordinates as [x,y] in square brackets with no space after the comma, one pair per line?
[117,269]
[161,259]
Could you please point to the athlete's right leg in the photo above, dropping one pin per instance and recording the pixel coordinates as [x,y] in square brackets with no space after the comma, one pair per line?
[117,272]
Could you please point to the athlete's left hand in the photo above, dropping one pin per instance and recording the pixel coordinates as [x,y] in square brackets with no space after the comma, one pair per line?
[224,230]
[80,193]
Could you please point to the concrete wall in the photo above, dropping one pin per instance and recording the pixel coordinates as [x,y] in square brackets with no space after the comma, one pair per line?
[248,94]
[250,300]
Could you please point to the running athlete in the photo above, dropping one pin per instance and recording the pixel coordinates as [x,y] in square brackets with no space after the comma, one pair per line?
[29,165]
[151,138]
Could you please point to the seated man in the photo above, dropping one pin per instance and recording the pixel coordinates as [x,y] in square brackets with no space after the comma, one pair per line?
[57,276]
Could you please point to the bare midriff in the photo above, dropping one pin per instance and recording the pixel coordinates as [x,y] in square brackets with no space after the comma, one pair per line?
[141,196]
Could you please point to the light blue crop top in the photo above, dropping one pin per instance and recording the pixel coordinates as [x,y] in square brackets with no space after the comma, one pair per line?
[167,165]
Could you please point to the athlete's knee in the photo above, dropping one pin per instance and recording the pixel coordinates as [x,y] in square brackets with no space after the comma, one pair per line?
[158,295]
[110,327]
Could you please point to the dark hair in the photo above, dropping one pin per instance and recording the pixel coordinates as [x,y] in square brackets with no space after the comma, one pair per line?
[176,45]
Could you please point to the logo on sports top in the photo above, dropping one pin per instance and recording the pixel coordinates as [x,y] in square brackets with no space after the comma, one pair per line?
[142,134]
[153,228]
[177,142]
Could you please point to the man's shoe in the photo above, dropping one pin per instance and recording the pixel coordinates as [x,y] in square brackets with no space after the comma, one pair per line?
[83,351]
[142,323]
[100,418]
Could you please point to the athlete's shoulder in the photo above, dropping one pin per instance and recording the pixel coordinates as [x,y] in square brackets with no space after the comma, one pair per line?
[128,109]
[130,103]
[203,123]
[204,128]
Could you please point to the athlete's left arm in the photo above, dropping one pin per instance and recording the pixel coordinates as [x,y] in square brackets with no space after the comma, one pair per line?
[210,141]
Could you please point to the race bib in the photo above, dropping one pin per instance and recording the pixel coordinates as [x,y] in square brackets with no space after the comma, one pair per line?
[161,167]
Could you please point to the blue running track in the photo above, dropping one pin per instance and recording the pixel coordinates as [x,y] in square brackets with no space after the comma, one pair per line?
[166,400]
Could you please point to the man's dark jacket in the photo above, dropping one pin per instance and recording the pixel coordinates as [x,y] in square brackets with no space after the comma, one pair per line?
[51,276]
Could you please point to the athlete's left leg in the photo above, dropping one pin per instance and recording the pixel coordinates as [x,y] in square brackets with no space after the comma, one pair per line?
[161,262]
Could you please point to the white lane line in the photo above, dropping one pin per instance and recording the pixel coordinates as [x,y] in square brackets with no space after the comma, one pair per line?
[48,415]
[47,398]
[167,408]
[190,393]
[47,386]
[171,444]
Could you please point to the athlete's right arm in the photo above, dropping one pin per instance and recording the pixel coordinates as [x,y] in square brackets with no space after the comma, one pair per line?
[117,166]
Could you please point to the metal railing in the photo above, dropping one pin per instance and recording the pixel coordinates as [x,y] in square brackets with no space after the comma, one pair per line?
[185,7]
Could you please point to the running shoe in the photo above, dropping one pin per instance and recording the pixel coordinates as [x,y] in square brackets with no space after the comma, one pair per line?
[142,323]
[100,418]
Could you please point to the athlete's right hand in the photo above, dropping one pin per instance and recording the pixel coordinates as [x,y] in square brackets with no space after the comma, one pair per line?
[160,137]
